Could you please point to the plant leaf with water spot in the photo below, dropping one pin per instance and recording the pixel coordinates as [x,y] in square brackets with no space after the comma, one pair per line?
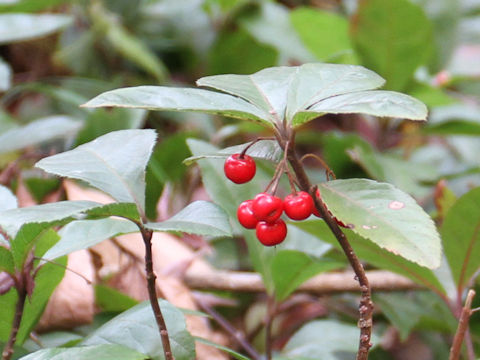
[179,99]
[199,217]
[461,237]
[380,103]
[313,83]
[114,163]
[136,328]
[385,215]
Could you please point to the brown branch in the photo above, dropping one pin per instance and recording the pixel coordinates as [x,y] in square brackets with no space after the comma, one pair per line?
[462,327]
[328,283]
[152,294]
[22,296]
[366,304]
[234,333]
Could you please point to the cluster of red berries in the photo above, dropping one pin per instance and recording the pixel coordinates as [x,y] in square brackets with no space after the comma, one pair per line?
[263,212]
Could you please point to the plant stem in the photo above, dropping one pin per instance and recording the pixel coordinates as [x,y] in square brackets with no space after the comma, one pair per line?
[237,335]
[366,304]
[22,296]
[462,327]
[152,293]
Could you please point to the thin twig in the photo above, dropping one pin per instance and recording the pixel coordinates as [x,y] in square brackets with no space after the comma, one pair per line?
[366,304]
[268,326]
[22,296]
[462,327]
[328,172]
[234,333]
[89,282]
[152,294]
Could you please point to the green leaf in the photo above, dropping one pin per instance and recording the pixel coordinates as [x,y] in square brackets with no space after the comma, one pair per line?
[179,99]
[453,127]
[112,300]
[52,213]
[6,261]
[378,103]
[83,234]
[265,149]
[265,89]
[7,199]
[128,45]
[164,166]
[324,339]
[39,131]
[271,25]
[375,255]
[223,55]
[385,215]
[324,33]
[19,27]
[97,352]
[431,96]
[460,233]
[199,217]
[102,121]
[392,38]
[5,75]
[406,174]
[229,351]
[25,240]
[29,5]
[114,163]
[291,268]
[408,311]
[317,83]
[46,280]
[136,328]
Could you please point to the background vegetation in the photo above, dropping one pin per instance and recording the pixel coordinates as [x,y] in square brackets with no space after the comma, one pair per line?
[57,54]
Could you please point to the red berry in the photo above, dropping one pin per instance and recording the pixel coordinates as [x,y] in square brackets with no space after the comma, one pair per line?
[270,234]
[267,207]
[239,169]
[245,215]
[299,206]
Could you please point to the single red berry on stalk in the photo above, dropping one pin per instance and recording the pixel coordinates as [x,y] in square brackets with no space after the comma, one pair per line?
[245,215]
[270,234]
[239,169]
[298,206]
[267,207]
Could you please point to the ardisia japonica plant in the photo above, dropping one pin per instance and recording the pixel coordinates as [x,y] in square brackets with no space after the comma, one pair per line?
[282,99]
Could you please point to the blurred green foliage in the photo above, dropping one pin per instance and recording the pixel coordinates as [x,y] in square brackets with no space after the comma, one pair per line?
[57,54]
